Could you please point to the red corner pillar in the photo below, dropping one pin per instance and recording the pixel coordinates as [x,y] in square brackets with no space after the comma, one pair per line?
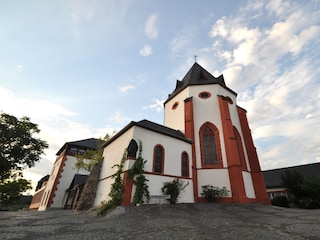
[257,176]
[128,183]
[233,158]
[189,132]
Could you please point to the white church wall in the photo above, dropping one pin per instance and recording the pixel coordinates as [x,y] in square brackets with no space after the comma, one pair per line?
[156,182]
[49,185]
[65,180]
[173,149]
[103,191]
[215,177]
[207,110]
[248,184]
[112,155]
[174,118]
[172,161]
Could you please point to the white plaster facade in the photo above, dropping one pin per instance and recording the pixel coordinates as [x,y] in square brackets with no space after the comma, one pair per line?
[62,174]
[210,108]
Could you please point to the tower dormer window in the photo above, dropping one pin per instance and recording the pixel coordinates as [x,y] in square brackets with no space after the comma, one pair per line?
[204,95]
[175,105]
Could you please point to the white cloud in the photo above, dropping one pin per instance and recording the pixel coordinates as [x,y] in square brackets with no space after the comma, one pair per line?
[19,67]
[151,27]
[277,6]
[219,28]
[275,70]
[55,127]
[156,106]
[124,89]
[138,79]
[146,50]
[37,108]
[97,16]
[119,118]
[181,42]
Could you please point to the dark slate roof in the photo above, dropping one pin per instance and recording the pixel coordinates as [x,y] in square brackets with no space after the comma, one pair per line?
[272,177]
[78,180]
[197,75]
[152,127]
[41,181]
[91,143]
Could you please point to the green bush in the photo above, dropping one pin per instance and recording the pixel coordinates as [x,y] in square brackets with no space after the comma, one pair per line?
[141,194]
[173,189]
[305,190]
[211,193]
[280,201]
[117,189]
[309,203]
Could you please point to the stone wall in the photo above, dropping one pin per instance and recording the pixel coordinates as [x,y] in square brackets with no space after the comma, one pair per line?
[88,194]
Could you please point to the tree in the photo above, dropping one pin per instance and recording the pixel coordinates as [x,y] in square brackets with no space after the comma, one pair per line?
[11,191]
[305,190]
[19,148]
[293,180]
[87,160]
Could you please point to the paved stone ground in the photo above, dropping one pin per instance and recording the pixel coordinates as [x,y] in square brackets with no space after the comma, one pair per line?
[183,221]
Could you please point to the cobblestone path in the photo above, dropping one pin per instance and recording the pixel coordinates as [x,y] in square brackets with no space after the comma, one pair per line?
[182,221]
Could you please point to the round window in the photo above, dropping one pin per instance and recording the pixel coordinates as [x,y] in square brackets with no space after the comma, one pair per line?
[204,95]
[175,105]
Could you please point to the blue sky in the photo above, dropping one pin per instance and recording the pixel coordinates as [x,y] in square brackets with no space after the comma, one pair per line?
[81,69]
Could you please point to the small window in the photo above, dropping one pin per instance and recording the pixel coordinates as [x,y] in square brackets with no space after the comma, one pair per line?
[73,151]
[175,105]
[81,151]
[240,149]
[132,149]
[158,159]
[204,95]
[227,98]
[185,164]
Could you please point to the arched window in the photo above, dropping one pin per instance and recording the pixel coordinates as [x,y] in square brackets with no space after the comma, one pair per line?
[210,146]
[132,149]
[158,159]
[184,164]
[240,149]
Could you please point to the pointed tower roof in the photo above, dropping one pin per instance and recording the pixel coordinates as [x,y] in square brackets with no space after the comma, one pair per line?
[197,75]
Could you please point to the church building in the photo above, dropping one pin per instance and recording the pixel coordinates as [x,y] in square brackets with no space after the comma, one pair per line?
[205,140]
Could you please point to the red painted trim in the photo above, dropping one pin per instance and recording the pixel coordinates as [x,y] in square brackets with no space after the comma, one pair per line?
[189,132]
[218,146]
[218,200]
[234,164]
[256,174]
[240,149]
[154,158]
[188,173]
[56,181]
[128,184]
[167,175]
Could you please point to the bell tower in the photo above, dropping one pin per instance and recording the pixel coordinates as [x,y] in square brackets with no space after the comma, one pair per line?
[223,153]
